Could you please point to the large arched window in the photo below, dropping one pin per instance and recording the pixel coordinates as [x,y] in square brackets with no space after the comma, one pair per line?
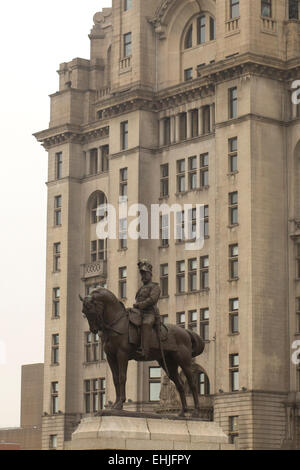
[96,201]
[205,28]
[188,43]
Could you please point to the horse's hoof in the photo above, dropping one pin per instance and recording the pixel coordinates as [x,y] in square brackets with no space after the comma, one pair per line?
[181,414]
[196,414]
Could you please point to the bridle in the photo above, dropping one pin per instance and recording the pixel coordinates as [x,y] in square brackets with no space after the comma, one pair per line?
[109,327]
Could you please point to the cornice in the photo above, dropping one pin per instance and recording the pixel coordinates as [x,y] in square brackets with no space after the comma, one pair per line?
[70,134]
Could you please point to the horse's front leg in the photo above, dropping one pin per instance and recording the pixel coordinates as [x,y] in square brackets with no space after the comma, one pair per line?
[122,358]
[113,364]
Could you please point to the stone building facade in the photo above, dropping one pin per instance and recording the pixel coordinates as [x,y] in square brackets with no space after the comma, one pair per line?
[181,102]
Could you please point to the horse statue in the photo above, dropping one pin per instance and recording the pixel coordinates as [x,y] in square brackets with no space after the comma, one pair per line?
[172,346]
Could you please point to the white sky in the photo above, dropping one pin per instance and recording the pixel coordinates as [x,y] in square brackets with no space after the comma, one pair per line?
[35,36]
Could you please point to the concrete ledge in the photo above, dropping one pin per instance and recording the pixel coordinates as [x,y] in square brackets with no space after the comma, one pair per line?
[144,433]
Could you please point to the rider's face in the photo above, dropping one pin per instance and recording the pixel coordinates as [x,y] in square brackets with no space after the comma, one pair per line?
[146,276]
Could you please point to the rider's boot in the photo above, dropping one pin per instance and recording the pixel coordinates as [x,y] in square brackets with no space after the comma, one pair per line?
[146,331]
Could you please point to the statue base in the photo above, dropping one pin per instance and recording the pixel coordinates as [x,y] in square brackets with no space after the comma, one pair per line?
[119,430]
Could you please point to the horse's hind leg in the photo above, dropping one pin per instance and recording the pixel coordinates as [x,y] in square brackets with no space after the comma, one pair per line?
[174,376]
[122,370]
[186,366]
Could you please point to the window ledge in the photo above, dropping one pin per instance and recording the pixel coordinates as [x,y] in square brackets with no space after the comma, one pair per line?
[178,294]
[161,198]
[236,279]
[232,173]
[234,334]
[233,226]
[55,318]
[56,364]
[120,250]
[161,247]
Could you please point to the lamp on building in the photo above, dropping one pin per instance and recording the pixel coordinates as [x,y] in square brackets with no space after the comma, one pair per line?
[221,391]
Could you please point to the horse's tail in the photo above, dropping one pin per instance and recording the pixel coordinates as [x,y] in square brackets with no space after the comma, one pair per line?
[197,344]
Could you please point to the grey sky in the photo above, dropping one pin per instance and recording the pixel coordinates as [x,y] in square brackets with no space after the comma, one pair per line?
[36,36]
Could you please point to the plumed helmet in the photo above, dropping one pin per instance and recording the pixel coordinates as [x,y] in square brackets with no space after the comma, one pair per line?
[144,265]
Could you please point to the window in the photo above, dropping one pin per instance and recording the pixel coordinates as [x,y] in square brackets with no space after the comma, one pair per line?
[233,103]
[234,316]
[182,126]
[164,180]
[98,201]
[234,372]
[180,176]
[233,262]
[56,300]
[54,397]
[122,282]
[154,383]
[124,135]
[180,319]
[232,156]
[57,210]
[204,169]
[55,349]
[206,119]
[123,233]
[53,441]
[298,261]
[204,272]
[293,9]
[127,5]
[188,43]
[201,29]
[94,395]
[180,275]
[167,130]
[266,8]
[164,230]
[203,384]
[234,8]
[233,429]
[233,208]
[298,315]
[206,221]
[123,182]
[93,161]
[212,28]
[193,173]
[194,123]
[91,347]
[180,226]
[193,318]
[127,44]
[188,74]
[105,158]
[56,257]
[164,319]
[164,280]
[98,250]
[192,224]
[58,165]
[204,324]
[192,274]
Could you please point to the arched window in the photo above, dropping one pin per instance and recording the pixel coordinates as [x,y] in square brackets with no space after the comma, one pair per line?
[189,38]
[96,201]
[203,384]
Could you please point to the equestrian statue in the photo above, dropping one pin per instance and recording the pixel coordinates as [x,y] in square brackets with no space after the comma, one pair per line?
[138,334]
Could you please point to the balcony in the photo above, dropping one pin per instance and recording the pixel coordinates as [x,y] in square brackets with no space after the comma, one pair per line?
[102,93]
[98,268]
[233,26]
[125,64]
[269,25]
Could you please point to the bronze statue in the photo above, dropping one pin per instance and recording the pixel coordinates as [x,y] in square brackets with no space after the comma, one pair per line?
[171,346]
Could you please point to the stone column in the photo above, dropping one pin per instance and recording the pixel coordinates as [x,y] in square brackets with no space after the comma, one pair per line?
[177,127]
[188,124]
[200,120]
[99,160]
[161,132]
[212,117]
[87,163]
[172,129]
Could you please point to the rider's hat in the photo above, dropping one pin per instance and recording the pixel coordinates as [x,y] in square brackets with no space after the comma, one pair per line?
[144,265]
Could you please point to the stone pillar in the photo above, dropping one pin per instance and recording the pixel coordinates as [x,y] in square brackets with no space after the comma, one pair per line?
[87,163]
[200,121]
[212,117]
[177,127]
[188,124]
[161,132]
[99,160]
[172,129]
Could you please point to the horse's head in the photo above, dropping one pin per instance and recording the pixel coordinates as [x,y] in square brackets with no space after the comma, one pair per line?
[92,308]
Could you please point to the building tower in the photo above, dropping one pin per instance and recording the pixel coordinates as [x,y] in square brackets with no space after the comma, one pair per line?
[181,102]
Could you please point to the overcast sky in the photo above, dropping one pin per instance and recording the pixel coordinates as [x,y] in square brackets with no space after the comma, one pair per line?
[36,36]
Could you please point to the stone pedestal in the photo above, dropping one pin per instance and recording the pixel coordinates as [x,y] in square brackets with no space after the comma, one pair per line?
[131,431]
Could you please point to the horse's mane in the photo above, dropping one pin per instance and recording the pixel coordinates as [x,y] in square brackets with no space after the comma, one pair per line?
[103,292]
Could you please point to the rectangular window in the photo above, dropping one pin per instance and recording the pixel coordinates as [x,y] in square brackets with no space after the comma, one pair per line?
[204,324]
[181,176]
[206,119]
[233,155]
[167,131]
[164,180]
[127,44]
[212,28]
[233,103]
[53,441]
[201,29]
[192,274]
[122,282]
[55,349]
[93,161]
[180,226]
[123,233]
[124,135]
[164,230]
[193,319]
[203,384]
[180,319]
[54,397]
[182,126]
[56,302]
[233,208]
[233,262]
[234,8]
[266,8]
[164,319]
[233,429]
[91,347]
[206,221]
[57,210]
[123,182]
[204,170]
[193,173]
[154,383]
[58,165]
[192,224]
[234,372]
[56,257]
[195,122]
[164,280]
[204,272]
[188,74]
[180,275]
[298,261]
[94,395]
[127,5]
[98,250]
[293,9]
[234,316]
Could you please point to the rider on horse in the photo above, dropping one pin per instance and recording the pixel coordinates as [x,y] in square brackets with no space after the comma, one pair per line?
[146,302]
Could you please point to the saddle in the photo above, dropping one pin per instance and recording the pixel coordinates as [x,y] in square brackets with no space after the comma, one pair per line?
[168,343]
